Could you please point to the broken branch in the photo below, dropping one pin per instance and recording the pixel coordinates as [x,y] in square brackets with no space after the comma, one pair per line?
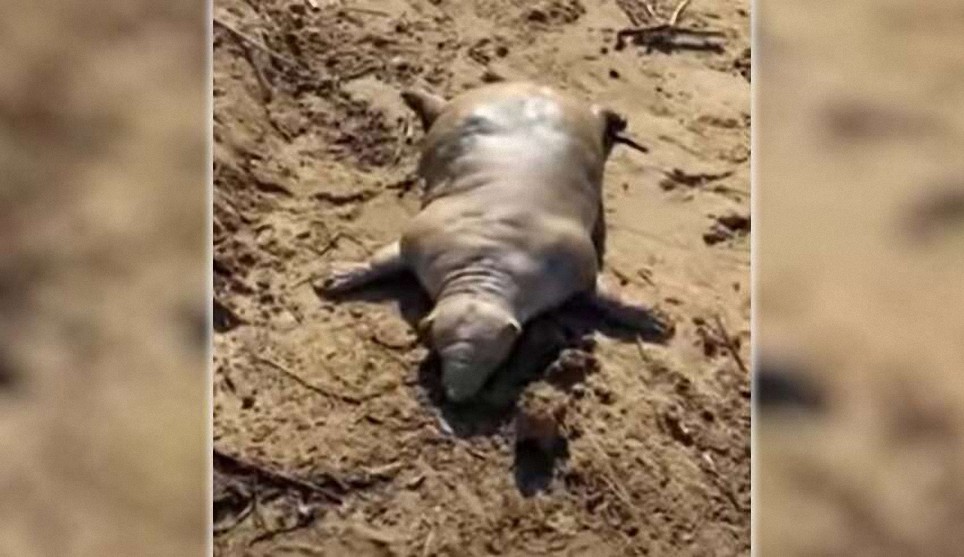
[673,19]
[311,387]
[729,344]
[254,42]
[275,476]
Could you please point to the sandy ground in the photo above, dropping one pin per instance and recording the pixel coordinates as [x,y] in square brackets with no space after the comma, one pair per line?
[860,214]
[330,438]
[102,279]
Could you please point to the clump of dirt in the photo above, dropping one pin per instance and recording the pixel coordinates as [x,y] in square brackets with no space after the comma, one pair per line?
[540,439]
[569,451]
[571,368]
[742,64]
[555,12]
[727,227]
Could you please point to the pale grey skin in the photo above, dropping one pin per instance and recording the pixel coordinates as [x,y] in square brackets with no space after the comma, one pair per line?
[511,223]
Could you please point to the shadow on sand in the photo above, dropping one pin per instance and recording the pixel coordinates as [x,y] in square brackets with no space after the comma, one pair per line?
[570,327]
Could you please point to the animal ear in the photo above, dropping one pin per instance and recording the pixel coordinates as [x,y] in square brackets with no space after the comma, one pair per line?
[426,105]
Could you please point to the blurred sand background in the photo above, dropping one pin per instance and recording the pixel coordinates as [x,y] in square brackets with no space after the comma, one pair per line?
[859,261]
[103,278]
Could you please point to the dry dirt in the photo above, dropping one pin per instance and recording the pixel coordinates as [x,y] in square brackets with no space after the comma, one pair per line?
[860,204]
[103,285]
[329,436]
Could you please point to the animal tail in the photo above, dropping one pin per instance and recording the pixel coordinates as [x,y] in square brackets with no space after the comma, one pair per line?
[630,142]
[615,126]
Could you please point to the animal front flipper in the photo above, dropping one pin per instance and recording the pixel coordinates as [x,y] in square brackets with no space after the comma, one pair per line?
[647,321]
[345,276]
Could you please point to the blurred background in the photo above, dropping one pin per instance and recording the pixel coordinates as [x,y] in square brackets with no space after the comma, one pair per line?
[859,245]
[103,278]
[859,255]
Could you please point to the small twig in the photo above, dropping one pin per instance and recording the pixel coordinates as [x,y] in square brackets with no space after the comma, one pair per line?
[662,31]
[267,93]
[720,189]
[369,11]
[642,351]
[650,12]
[311,387]
[607,476]
[404,185]
[629,8]
[342,234]
[276,476]
[361,71]
[254,42]
[729,344]
[304,520]
[630,142]
[673,19]
[476,453]
[245,512]
[392,348]
[623,277]
[661,34]
[330,244]
[258,517]
[647,277]
[427,546]
[303,280]
[400,144]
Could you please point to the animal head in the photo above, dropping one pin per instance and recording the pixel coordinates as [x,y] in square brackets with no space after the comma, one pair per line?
[473,338]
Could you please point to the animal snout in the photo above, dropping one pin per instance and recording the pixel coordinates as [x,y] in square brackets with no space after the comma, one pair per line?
[461,380]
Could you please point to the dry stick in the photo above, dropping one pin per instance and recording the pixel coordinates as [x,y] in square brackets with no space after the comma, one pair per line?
[642,351]
[245,512]
[304,520]
[730,345]
[607,478]
[670,26]
[631,12]
[630,142]
[677,13]
[649,9]
[254,42]
[428,543]
[258,517]
[731,190]
[277,475]
[369,11]
[645,275]
[400,144]
[311,387]
[329,245]
[267,93]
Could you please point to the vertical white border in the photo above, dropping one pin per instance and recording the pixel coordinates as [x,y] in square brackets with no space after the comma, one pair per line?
[209,273]
[754,246]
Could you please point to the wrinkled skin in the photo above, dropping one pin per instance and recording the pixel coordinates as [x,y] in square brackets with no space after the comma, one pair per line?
[511,222]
